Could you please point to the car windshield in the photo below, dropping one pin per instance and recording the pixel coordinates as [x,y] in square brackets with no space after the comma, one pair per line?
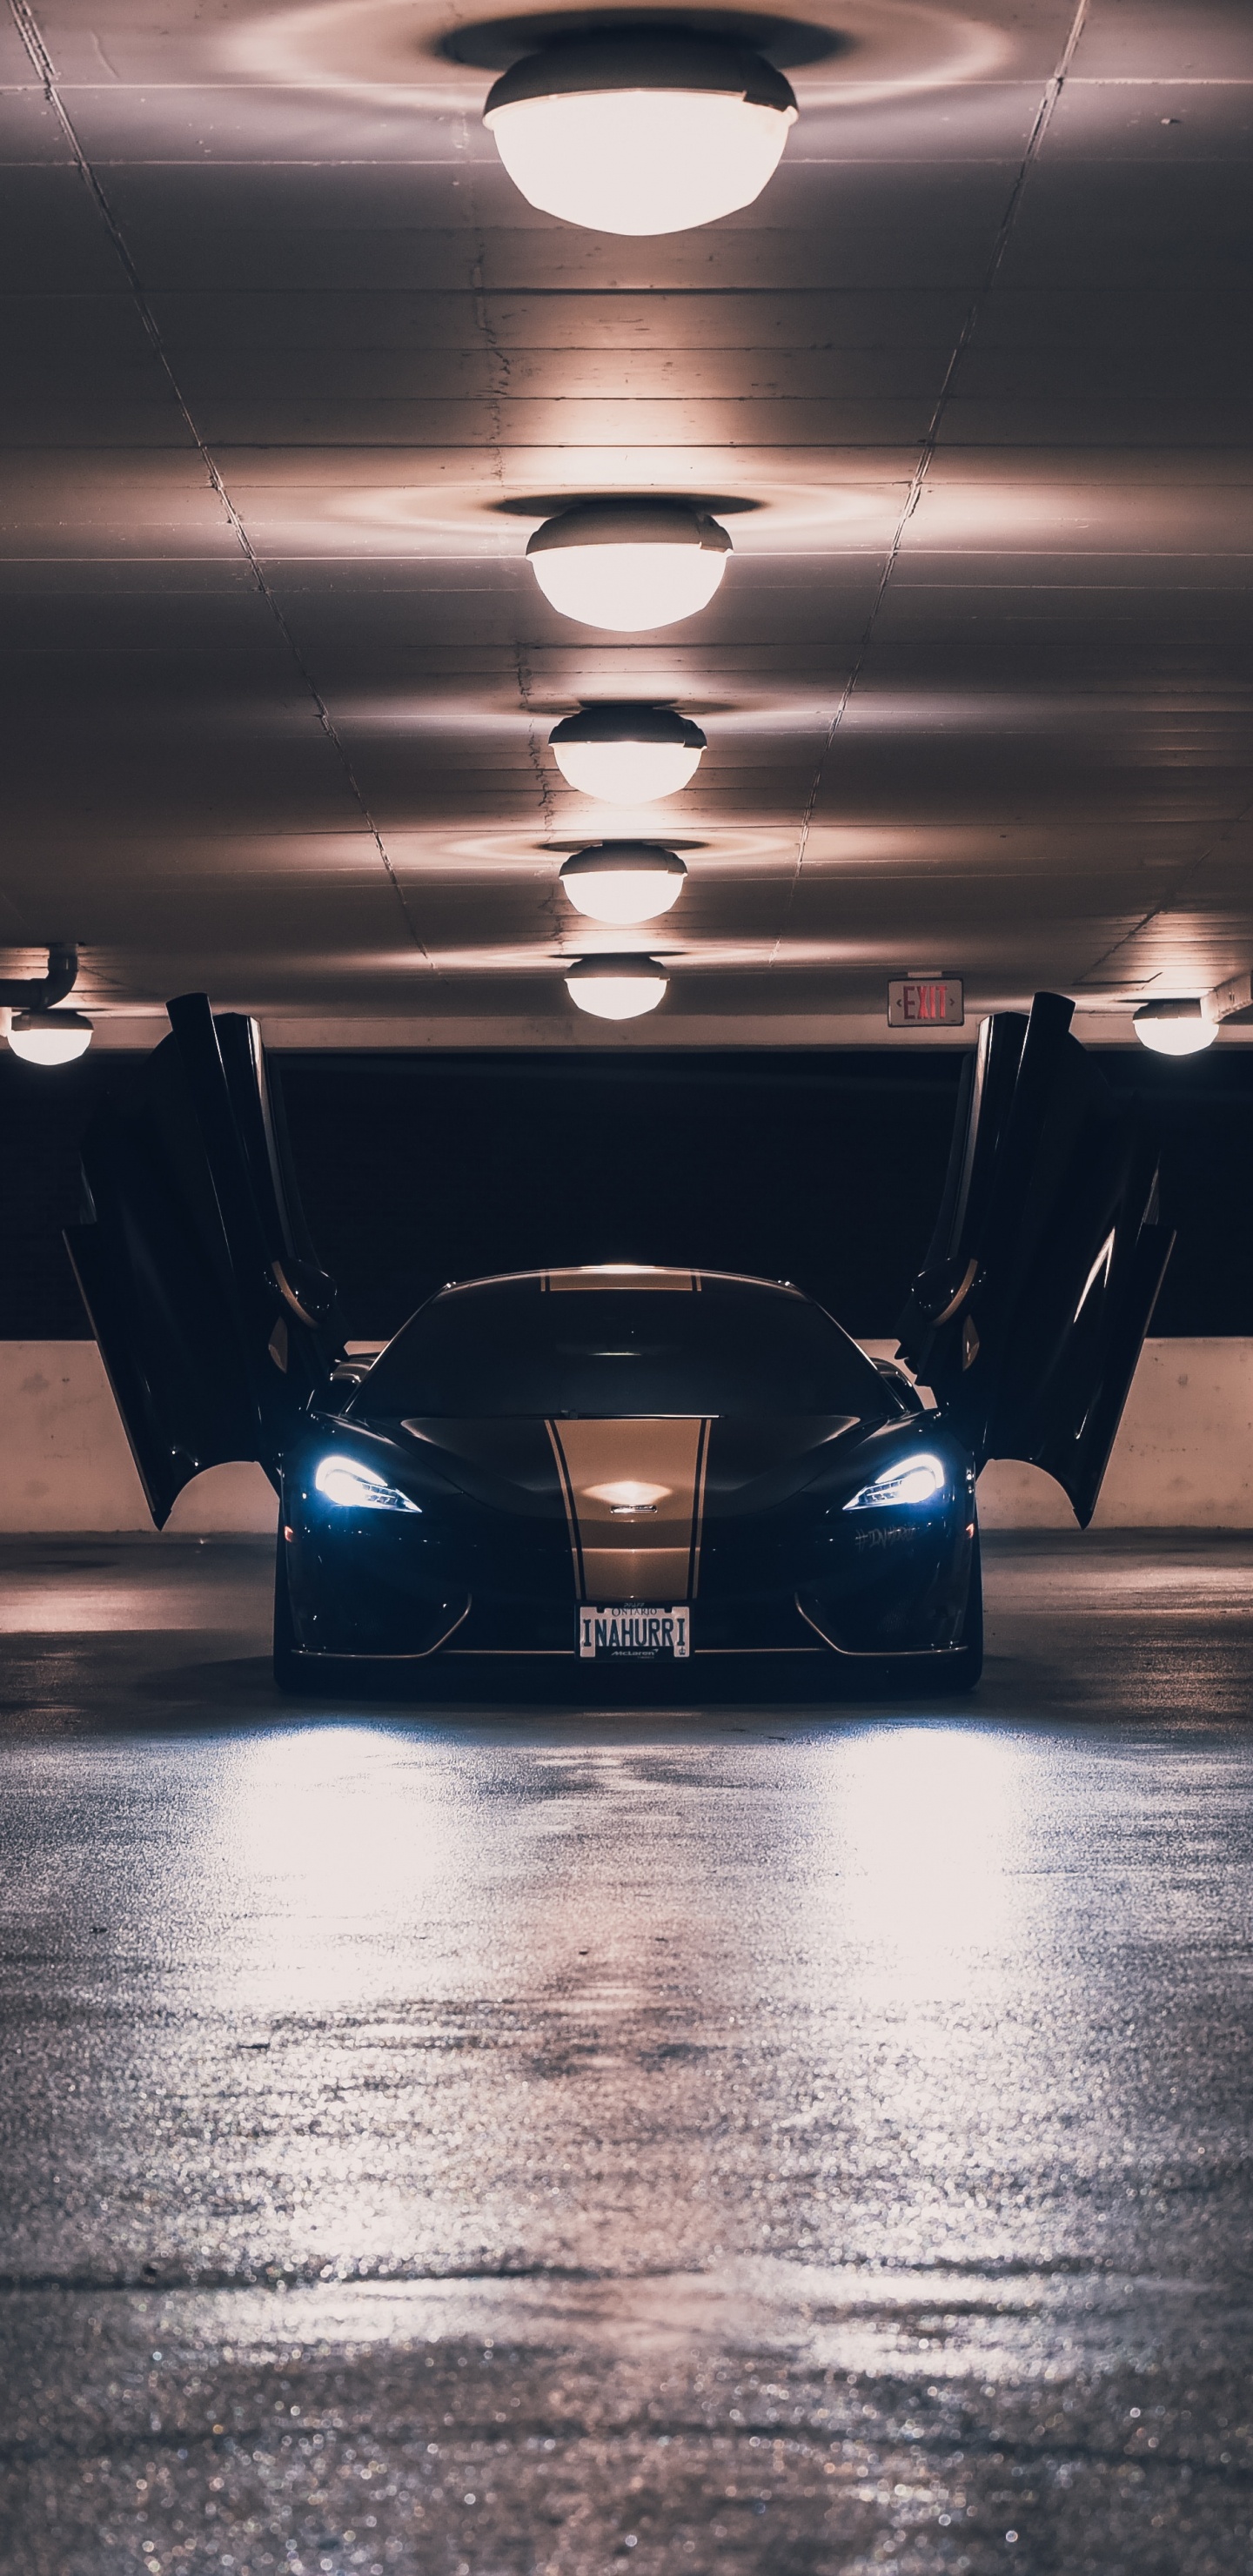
[727,1347]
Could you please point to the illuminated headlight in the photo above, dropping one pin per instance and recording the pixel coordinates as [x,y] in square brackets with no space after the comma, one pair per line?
[912,1480]
[358,1488]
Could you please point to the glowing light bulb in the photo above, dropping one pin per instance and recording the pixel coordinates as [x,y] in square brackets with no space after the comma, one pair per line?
[623,881]
[617,988]
[1174,1028]
[627,773]
[624,755]
[627,565]
[640,130]
[49,1037]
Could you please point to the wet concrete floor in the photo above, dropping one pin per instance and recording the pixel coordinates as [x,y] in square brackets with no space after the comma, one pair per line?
[768,2142]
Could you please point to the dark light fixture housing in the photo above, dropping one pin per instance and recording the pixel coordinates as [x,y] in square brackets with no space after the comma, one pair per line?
[617,988]
[1177,1027]
[38,1032]
[627,755]
[627,565]
[620,882]
[49,1037]
[645,129]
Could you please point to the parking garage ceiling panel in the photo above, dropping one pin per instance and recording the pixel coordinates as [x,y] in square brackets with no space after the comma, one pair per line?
[293,372]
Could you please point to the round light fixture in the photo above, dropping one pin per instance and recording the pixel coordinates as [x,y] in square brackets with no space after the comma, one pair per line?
[625,755]
[627,565]
[49,1037]
[617,988]
[1174,1028]
[624,881]
[640,129]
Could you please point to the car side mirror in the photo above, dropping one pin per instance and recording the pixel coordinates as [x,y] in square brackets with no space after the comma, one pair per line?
[901,1385]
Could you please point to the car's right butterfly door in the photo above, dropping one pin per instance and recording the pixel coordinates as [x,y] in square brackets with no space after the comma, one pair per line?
[1048,1255]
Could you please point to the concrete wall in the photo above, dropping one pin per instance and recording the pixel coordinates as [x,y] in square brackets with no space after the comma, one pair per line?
[65,1463]
[1184,1457]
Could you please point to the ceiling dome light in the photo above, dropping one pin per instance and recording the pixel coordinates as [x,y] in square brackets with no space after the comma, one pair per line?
[640,129]
[617,988]
[49,1037]
[625,755]
[624,881]
[627,565]
[1174,1028]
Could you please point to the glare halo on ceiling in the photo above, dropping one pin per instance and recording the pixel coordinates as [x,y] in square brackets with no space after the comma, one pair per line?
[617,988]
[886,51]
[1174,1027]
[629,565]
[622,882]
[49,1037]
[640,130]
[627,755]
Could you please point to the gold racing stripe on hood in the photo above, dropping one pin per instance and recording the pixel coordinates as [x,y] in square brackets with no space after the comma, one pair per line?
[635,1495]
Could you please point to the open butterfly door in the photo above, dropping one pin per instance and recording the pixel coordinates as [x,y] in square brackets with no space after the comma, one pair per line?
[213,1319]
[1047,1257]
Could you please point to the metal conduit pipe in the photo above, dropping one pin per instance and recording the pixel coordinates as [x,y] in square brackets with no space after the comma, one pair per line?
[40,992]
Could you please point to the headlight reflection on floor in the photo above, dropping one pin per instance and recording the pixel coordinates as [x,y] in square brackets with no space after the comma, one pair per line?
[939,1920]
[341,1838]
[930,1833]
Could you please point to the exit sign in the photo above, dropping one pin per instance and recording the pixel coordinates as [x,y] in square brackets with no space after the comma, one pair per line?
[926,1002]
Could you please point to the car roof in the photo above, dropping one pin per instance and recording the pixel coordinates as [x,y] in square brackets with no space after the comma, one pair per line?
[620,1274]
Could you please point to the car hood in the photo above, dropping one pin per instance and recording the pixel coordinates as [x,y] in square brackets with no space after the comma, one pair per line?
[636,1491]
[519,1461]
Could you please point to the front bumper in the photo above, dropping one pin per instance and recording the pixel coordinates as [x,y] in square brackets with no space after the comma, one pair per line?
[471,1582]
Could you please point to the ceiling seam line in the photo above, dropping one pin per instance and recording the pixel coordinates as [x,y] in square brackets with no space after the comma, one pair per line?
[1044,116]
[41,60]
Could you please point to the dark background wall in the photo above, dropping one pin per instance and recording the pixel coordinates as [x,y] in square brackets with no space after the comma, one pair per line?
[823,1167]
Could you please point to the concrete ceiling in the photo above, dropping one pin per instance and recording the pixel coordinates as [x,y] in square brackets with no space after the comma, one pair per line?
[287,359]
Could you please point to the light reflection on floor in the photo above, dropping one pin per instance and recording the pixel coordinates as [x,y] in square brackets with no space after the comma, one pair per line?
[559,2109]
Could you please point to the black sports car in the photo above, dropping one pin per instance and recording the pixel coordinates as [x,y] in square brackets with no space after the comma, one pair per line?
[561,1471]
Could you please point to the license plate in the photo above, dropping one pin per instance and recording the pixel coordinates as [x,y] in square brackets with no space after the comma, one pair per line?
[631,1633]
